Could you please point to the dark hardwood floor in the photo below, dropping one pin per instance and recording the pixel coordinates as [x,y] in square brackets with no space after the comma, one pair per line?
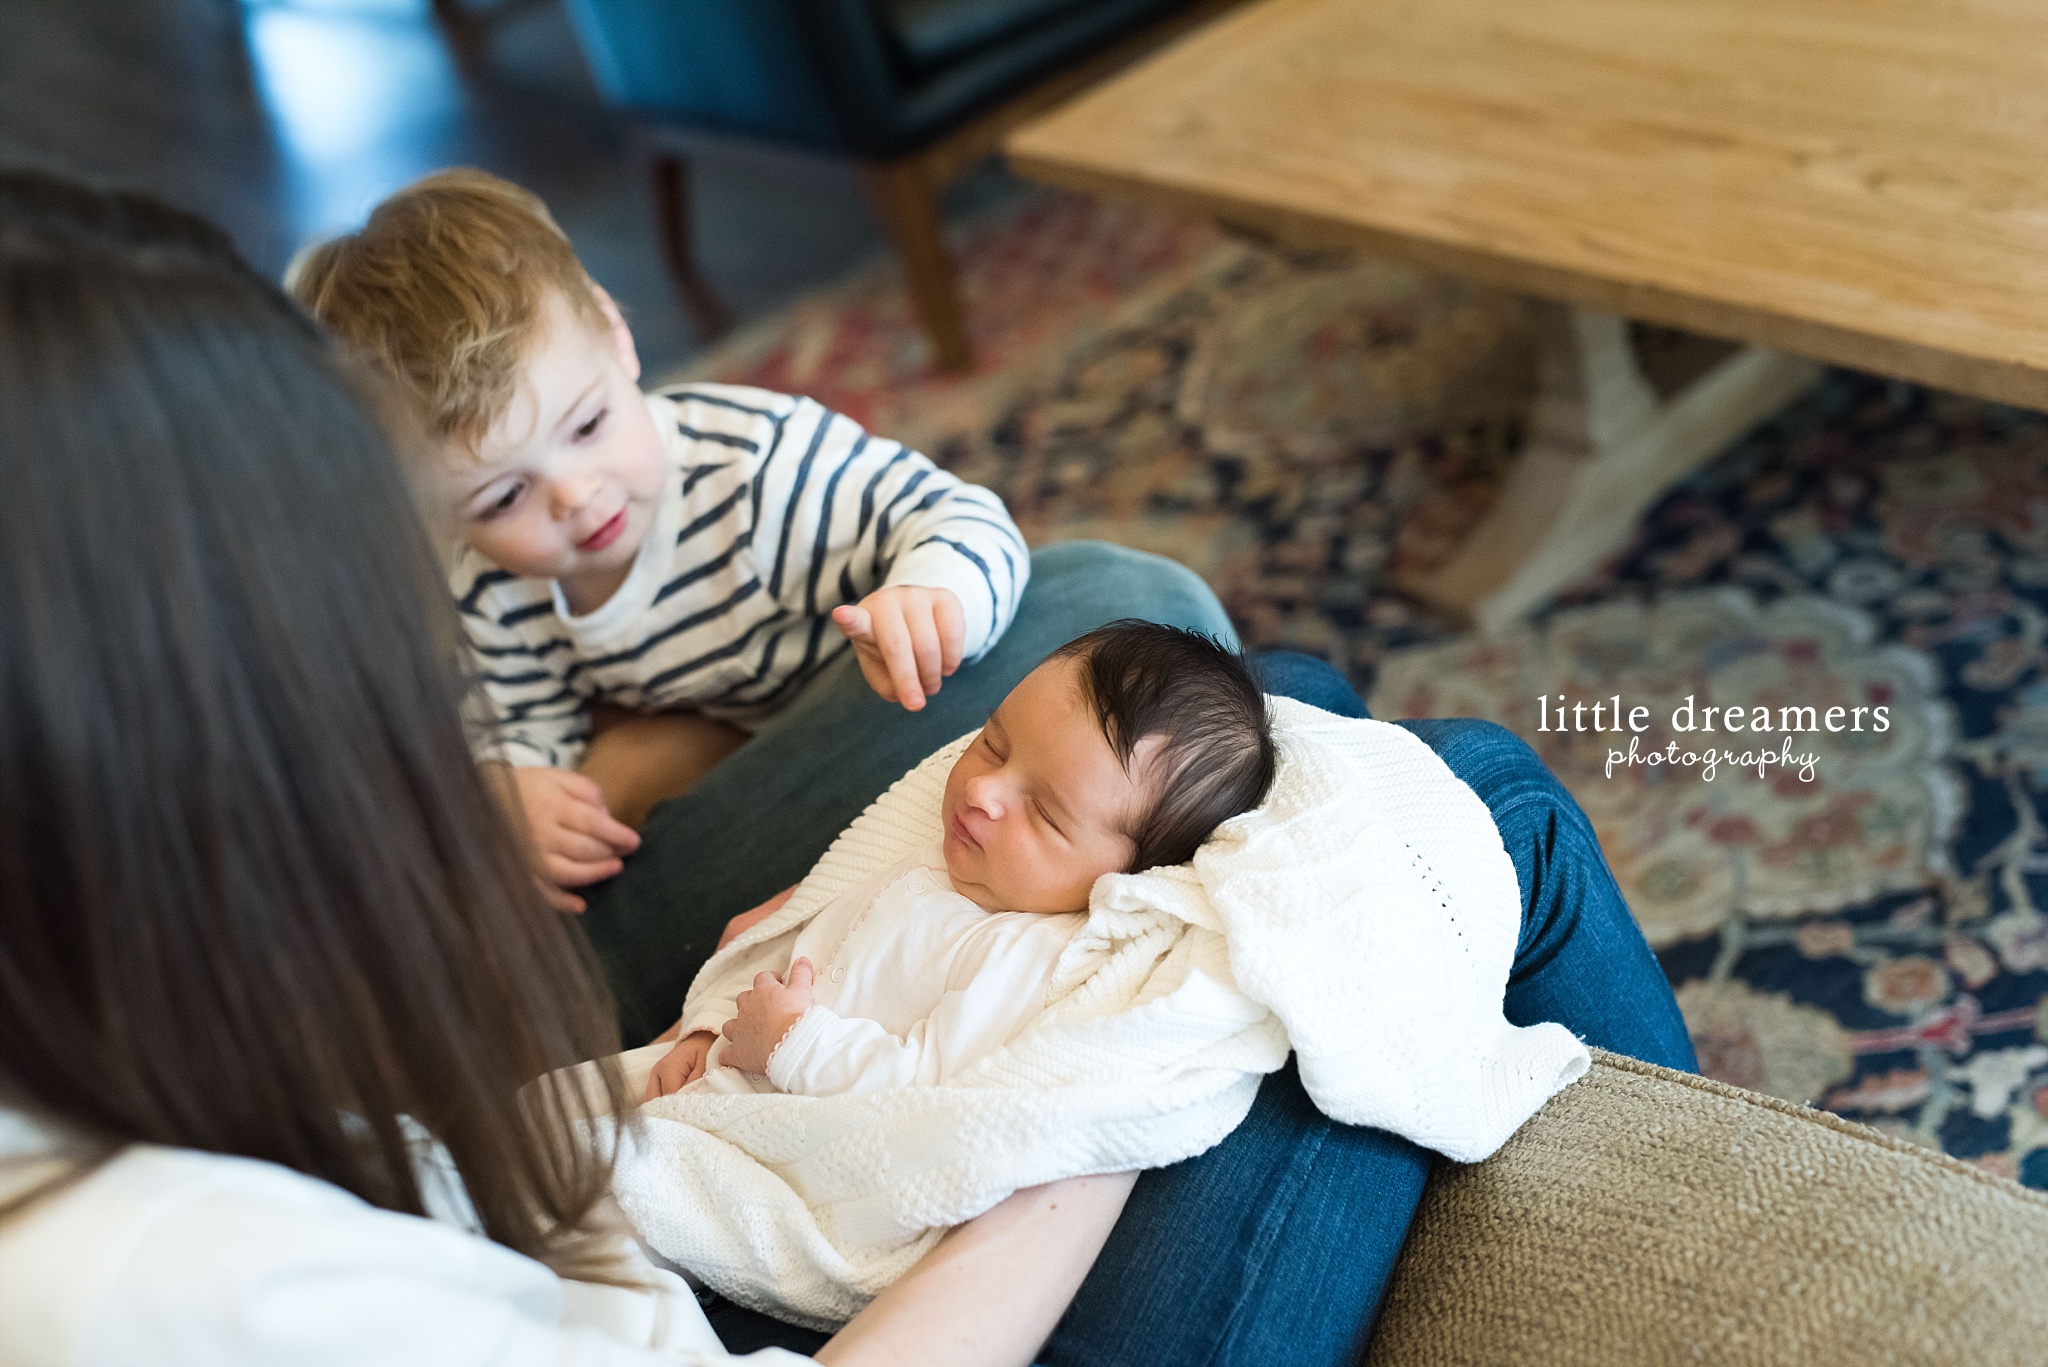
[280,119]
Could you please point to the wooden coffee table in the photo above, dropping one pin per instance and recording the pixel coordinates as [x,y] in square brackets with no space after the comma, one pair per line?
[1863,182]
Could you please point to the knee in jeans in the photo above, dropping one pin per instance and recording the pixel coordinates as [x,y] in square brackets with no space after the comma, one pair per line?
[1105,559]
[1133,583]
[1495,763]
[1468,743]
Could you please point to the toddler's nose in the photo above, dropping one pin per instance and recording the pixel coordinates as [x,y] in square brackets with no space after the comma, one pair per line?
[572,493]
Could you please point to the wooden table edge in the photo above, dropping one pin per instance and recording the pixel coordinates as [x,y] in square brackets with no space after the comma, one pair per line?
[2002,381]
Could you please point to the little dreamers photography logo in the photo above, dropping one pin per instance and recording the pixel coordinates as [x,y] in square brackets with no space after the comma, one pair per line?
[1767,739]
[1873,817]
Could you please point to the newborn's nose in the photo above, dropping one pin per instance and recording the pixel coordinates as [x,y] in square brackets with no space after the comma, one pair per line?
[985,796]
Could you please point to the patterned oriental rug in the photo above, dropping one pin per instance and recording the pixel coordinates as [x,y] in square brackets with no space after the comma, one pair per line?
[1869,939]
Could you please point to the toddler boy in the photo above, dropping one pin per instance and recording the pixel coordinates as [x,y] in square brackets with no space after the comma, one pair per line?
[708,548]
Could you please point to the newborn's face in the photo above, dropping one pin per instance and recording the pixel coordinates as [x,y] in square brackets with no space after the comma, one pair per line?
[1036,809]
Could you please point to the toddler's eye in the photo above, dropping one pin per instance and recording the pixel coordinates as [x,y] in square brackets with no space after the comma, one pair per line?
[589,429]
[500,505]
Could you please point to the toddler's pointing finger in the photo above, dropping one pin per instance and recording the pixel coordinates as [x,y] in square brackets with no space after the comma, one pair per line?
[853,622]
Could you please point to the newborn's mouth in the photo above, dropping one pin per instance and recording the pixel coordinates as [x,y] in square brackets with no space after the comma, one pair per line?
[960,833]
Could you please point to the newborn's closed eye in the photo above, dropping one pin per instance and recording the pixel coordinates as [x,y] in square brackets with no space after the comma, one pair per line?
[1046,816]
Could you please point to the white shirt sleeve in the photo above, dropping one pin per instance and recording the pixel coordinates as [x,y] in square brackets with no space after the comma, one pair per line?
[174,1259]
[995,988]
[827,1054]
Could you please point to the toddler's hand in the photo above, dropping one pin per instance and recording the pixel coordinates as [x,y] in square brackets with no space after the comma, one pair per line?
[765,1015]
[747,920]
[908,640]
[576,839]
[680,1066]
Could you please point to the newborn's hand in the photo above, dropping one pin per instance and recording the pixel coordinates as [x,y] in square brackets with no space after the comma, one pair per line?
[576,839]
[765,1015]
[908,640]
[680,1066]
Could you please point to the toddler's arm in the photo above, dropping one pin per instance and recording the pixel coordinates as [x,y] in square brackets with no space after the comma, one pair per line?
[528,711]
[843,514]
[532,728]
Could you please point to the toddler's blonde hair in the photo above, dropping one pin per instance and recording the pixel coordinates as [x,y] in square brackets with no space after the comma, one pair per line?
[444,290]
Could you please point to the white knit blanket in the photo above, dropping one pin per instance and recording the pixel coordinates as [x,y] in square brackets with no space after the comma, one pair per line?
[1367,915]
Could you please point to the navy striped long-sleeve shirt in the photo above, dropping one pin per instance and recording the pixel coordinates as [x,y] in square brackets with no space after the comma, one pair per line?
[777,510]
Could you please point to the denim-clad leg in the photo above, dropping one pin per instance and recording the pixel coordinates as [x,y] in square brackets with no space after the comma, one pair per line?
[757,822]
[1581,958]
[1276,1245]
[1304,678]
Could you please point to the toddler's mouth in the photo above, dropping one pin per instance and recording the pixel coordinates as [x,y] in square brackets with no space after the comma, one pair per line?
[605,535]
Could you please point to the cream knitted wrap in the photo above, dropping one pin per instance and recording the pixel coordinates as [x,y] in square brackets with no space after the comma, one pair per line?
[1367,915]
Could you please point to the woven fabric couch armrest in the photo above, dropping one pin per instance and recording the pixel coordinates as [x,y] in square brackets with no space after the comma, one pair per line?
[1648,1216]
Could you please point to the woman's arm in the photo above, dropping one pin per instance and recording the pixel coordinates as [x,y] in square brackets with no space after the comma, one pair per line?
[990,1292]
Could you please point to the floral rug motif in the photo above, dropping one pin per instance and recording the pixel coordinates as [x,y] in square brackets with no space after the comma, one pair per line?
[1302,429]
[1035,282]
[1743,823]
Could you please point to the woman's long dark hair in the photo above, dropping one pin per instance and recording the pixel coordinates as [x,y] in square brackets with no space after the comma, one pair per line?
[254,896]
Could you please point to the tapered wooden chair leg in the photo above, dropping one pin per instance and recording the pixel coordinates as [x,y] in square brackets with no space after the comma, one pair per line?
[908,203]
[468,29]
[462,30]
[670,178]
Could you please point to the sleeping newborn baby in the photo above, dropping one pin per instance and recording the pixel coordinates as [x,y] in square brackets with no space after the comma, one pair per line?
[929,1024]
[1123,751]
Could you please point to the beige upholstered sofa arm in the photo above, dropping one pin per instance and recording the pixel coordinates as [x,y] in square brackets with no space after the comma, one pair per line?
[1646,1216]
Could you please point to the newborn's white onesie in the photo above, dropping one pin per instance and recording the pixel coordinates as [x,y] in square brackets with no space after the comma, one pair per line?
[915,984]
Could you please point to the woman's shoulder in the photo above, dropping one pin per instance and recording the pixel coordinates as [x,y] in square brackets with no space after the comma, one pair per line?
[172,1255]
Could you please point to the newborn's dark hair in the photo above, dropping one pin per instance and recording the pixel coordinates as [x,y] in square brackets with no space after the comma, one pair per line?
[1218,758]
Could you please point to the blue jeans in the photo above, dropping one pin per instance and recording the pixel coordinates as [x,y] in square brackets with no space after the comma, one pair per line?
[1276,1245]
